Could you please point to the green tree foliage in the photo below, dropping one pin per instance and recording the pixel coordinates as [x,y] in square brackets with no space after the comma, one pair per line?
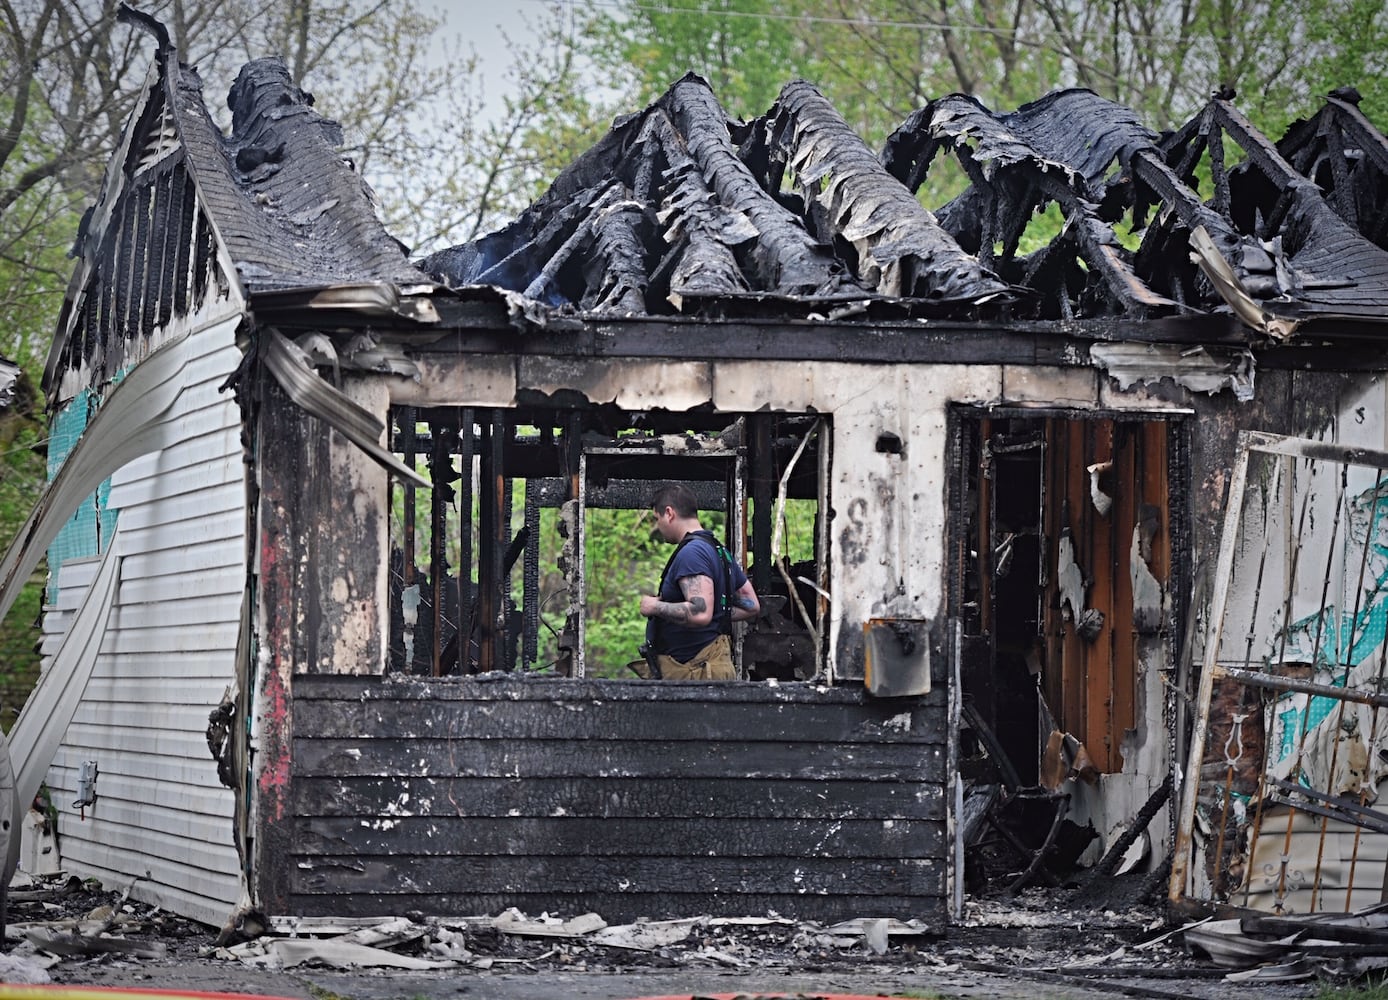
[878,60]
[21,468]
[742,47]
[69,76]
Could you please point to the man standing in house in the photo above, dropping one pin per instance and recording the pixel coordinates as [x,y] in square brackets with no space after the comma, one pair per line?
[702,592]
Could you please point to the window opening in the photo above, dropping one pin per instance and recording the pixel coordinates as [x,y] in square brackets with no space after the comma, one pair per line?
[532,548]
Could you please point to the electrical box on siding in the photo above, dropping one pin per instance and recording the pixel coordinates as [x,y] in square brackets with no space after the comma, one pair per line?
[896,657]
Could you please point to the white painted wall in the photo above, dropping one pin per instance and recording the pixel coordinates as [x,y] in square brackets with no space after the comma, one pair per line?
[167,657]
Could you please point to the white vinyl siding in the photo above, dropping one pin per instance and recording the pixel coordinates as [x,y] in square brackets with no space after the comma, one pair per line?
[168,655]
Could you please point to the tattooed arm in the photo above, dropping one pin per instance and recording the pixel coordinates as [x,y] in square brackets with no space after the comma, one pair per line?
[695,611]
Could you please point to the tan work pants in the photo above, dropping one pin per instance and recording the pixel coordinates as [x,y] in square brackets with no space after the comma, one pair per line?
[712,663]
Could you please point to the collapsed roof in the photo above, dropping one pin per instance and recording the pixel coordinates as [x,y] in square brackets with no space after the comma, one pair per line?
[681,211]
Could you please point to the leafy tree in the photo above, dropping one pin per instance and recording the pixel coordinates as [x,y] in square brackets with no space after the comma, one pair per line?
[69,76]
[742,47]
[878,60]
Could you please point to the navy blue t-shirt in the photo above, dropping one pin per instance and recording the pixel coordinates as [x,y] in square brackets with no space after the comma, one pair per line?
[697,558]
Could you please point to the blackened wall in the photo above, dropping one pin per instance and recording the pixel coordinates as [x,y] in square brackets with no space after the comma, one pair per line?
[466,796]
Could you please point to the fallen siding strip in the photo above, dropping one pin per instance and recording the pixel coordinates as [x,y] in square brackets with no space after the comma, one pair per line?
[291,369]
[136,418]
[38,732]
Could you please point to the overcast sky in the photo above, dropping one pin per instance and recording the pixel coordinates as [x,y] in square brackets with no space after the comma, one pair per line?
[480,23]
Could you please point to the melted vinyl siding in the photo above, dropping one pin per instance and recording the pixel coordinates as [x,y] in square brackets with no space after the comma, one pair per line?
[167,658]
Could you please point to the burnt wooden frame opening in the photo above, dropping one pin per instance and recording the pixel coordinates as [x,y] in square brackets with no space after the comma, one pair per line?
[504,466]
[1050,513]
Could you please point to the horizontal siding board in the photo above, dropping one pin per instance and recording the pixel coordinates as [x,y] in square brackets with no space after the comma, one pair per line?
[711,798]
[620,907]
[156,741]
[135,716]
[506,689]
[209,434]
[628,798]
[214,525]
[152,615]
[176,689]
[212,909]
[215,665]
[437,836]
[223,469]
[208,431]
[197,881]
[170,586]
[183,560]
[215,581]
[633,874]
[168,511]
[152,839]
[167,777]
[215,636]
[608,719]
[649,759]
[78,574]
[177,798]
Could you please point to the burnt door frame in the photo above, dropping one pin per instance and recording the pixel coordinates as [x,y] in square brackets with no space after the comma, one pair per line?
[970,540]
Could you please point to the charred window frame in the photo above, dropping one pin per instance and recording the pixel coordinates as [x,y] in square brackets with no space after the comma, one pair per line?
[513,500]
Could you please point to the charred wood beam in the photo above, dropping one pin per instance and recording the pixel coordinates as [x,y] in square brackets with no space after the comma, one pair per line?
[1345,202]
[1153,171]
[441,475]
[467,449]
[943,341]
[763,469]
[493,537]
[786,258]
[128,287]
[530,579]
[1218,174]
[1349,118]
[544,286]
[1099,246]
[1261,152]
[902,249]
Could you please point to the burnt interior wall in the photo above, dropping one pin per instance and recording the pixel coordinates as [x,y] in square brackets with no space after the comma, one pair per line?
[464,796]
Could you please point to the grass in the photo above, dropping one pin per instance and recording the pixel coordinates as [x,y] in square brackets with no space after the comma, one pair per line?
[1374,988]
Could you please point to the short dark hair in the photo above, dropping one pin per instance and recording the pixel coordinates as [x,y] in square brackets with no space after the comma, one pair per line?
[678,496]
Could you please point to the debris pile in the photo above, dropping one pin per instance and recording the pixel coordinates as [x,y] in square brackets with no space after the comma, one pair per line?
[65,928]
[1268,949]
[578,943]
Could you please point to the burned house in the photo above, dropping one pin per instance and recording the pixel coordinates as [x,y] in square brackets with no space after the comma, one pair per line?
[324,491]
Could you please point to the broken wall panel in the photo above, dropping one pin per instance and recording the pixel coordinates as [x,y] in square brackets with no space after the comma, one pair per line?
[1297,629]
[629,798]
[1107,511]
